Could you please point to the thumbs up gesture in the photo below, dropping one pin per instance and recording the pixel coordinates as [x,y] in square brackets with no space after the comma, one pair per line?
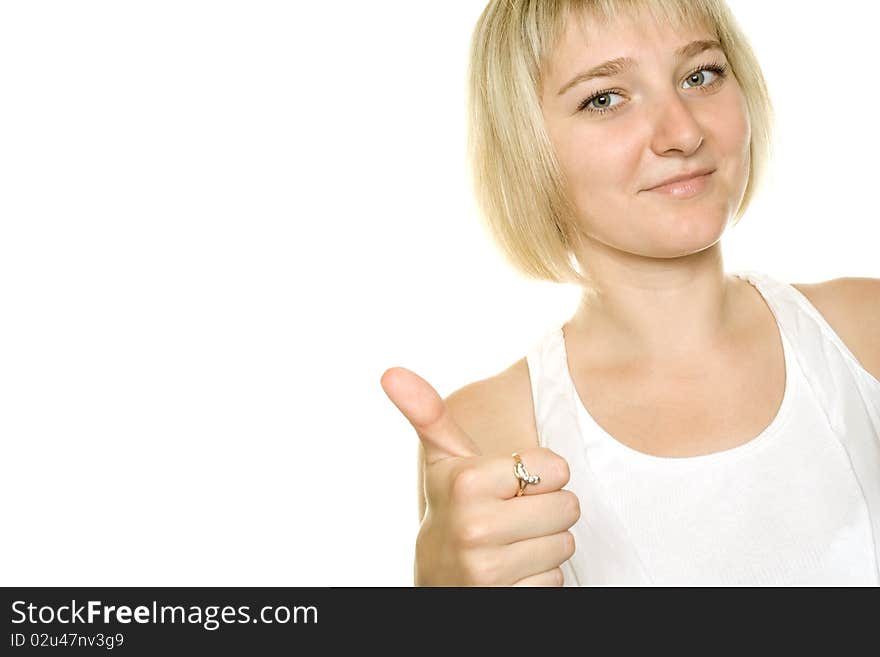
[476,530]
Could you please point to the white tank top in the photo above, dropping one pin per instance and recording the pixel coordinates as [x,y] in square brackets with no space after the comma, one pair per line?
[799,505]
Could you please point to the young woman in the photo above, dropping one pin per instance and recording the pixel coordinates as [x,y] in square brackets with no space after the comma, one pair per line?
[688,426]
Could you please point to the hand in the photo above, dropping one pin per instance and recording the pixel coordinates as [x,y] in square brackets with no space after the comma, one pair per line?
[476,532]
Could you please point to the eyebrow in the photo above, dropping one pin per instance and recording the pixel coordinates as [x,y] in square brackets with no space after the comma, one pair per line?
[623,64]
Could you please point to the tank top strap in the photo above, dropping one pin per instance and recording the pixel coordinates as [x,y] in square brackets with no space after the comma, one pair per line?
[793,305]
[604,553]
[552,401]
[828,365]
[848,395]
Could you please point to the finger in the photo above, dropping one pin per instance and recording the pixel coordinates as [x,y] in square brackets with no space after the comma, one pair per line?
[498,478]
[420,403]
[550,578]
[531,517]
[534,556]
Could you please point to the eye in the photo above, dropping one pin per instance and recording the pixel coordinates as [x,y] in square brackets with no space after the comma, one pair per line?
[696,76]
[719,70]
[604,96]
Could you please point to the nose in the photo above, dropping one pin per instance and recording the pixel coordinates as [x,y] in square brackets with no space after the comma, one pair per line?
[675,127]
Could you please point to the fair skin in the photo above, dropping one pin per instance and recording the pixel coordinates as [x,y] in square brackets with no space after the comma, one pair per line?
[663,295]
[667,333]
[665,302]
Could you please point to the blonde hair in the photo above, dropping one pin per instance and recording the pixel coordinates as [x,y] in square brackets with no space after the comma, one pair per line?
[517,181]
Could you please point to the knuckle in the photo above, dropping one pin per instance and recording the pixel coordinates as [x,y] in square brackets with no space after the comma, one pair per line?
[557,577]
[473,533]
[481,569]
[568,544]
[464,483]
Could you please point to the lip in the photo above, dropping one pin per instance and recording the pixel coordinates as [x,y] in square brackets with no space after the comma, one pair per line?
[695,174]
[684,187]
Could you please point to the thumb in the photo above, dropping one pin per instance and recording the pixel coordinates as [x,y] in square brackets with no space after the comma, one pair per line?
[426,411]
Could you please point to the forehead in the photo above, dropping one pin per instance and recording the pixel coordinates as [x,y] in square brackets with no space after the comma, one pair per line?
[588,38]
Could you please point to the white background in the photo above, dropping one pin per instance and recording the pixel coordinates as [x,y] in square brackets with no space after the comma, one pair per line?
[221,222]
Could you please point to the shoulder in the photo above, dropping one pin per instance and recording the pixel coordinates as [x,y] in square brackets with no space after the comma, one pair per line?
[497,412]
[851,305]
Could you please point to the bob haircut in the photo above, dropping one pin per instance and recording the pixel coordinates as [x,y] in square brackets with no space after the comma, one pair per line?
[517,181]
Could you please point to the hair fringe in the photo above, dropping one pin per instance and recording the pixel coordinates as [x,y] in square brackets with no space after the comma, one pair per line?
[516,177]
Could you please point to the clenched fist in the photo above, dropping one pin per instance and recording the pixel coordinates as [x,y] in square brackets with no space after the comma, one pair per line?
[476,531]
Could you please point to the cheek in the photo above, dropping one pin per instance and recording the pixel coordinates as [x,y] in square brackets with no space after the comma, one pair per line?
[734,132]
[598,169]
[602,178]
[598,176]
[734,137]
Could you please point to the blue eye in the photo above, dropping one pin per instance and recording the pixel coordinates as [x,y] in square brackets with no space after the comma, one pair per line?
[719,69]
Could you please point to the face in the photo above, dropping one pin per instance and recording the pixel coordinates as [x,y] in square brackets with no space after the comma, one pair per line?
[663,118]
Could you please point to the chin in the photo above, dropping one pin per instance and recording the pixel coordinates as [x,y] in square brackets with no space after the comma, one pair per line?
[679,234]
[667,233]
[697,224]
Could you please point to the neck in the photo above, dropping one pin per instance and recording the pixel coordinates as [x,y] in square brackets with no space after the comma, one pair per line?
[656,309]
